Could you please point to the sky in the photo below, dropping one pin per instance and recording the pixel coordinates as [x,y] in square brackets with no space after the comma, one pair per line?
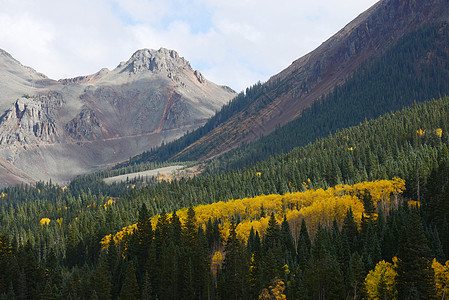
[232,42]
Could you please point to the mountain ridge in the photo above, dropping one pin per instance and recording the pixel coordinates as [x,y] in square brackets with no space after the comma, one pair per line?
[88,122]
[285,95]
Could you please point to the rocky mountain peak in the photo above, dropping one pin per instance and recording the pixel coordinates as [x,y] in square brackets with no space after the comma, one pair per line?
[156,61]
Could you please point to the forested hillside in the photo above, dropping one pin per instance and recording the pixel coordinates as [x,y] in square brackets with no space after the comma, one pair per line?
[412,70]
[51,236]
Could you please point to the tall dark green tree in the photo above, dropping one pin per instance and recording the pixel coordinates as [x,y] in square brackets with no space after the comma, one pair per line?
[144,234]
[234,270]
[414,271]
[130,288]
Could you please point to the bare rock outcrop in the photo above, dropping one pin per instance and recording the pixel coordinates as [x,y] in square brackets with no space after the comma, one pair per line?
[31,121]
[156,61]
[85,126]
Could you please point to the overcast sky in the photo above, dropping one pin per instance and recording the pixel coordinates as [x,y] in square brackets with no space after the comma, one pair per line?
[232,42]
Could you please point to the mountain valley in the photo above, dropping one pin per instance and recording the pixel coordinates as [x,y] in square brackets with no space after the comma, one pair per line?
[90,122]
[328,181]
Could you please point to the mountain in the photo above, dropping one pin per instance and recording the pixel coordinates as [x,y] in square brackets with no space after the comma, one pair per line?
[18,80]
[361,45]
[59,129]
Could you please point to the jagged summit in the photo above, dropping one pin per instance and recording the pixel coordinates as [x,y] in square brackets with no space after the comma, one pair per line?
[155,61]
[88,122]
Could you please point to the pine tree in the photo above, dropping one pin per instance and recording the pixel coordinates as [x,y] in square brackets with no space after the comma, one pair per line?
[414,271]
[146,288]
[323,276]
[190,228]
[356,276]
[272,235]
[130,288]
[234,271]
[288,244]
[144,234]
[101,281]
[349,229]
[304,245]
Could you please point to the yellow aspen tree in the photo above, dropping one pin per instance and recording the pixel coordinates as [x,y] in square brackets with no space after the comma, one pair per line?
[380,282]
[441,279]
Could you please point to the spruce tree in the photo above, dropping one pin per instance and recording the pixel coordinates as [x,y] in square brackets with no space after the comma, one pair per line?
[414,270]
[144,234]
[130,288]
[234,270]
[304,245]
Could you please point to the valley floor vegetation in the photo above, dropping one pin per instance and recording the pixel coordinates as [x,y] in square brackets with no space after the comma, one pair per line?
[360,214]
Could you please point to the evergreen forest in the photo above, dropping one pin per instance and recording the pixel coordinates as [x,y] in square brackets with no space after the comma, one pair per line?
[360,214]
[349,201]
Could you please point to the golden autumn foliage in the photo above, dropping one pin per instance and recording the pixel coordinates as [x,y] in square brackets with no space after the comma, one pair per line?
[314,206]
[59,220]
[441,279]
[44,221]
[420,132]
[109,202]
[217,259]
[438,132]
[380,282]
[274,291]
[163,177]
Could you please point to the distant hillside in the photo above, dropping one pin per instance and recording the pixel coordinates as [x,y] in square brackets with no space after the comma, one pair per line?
[407,144]
[59,129]
[360,45]
[414,70]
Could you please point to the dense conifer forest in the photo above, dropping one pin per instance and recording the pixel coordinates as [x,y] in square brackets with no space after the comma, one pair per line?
[329,220]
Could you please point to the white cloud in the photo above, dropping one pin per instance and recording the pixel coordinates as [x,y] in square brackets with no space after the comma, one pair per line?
[233,42]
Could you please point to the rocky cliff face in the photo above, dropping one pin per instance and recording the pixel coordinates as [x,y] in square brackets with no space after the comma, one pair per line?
[60,129]
[31,121]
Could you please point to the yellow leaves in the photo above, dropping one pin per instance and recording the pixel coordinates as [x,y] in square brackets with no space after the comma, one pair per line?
[217,259]
[315,206]
[258,174]
[381,281]
[441,278]
[163,177]
[420,132]
[286,269]
[351,148]
[3,195]
[44,221]
[305,185]
[438,132]
[59,220]
[108,203]
[118,237]
[413,203]
[274,291]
